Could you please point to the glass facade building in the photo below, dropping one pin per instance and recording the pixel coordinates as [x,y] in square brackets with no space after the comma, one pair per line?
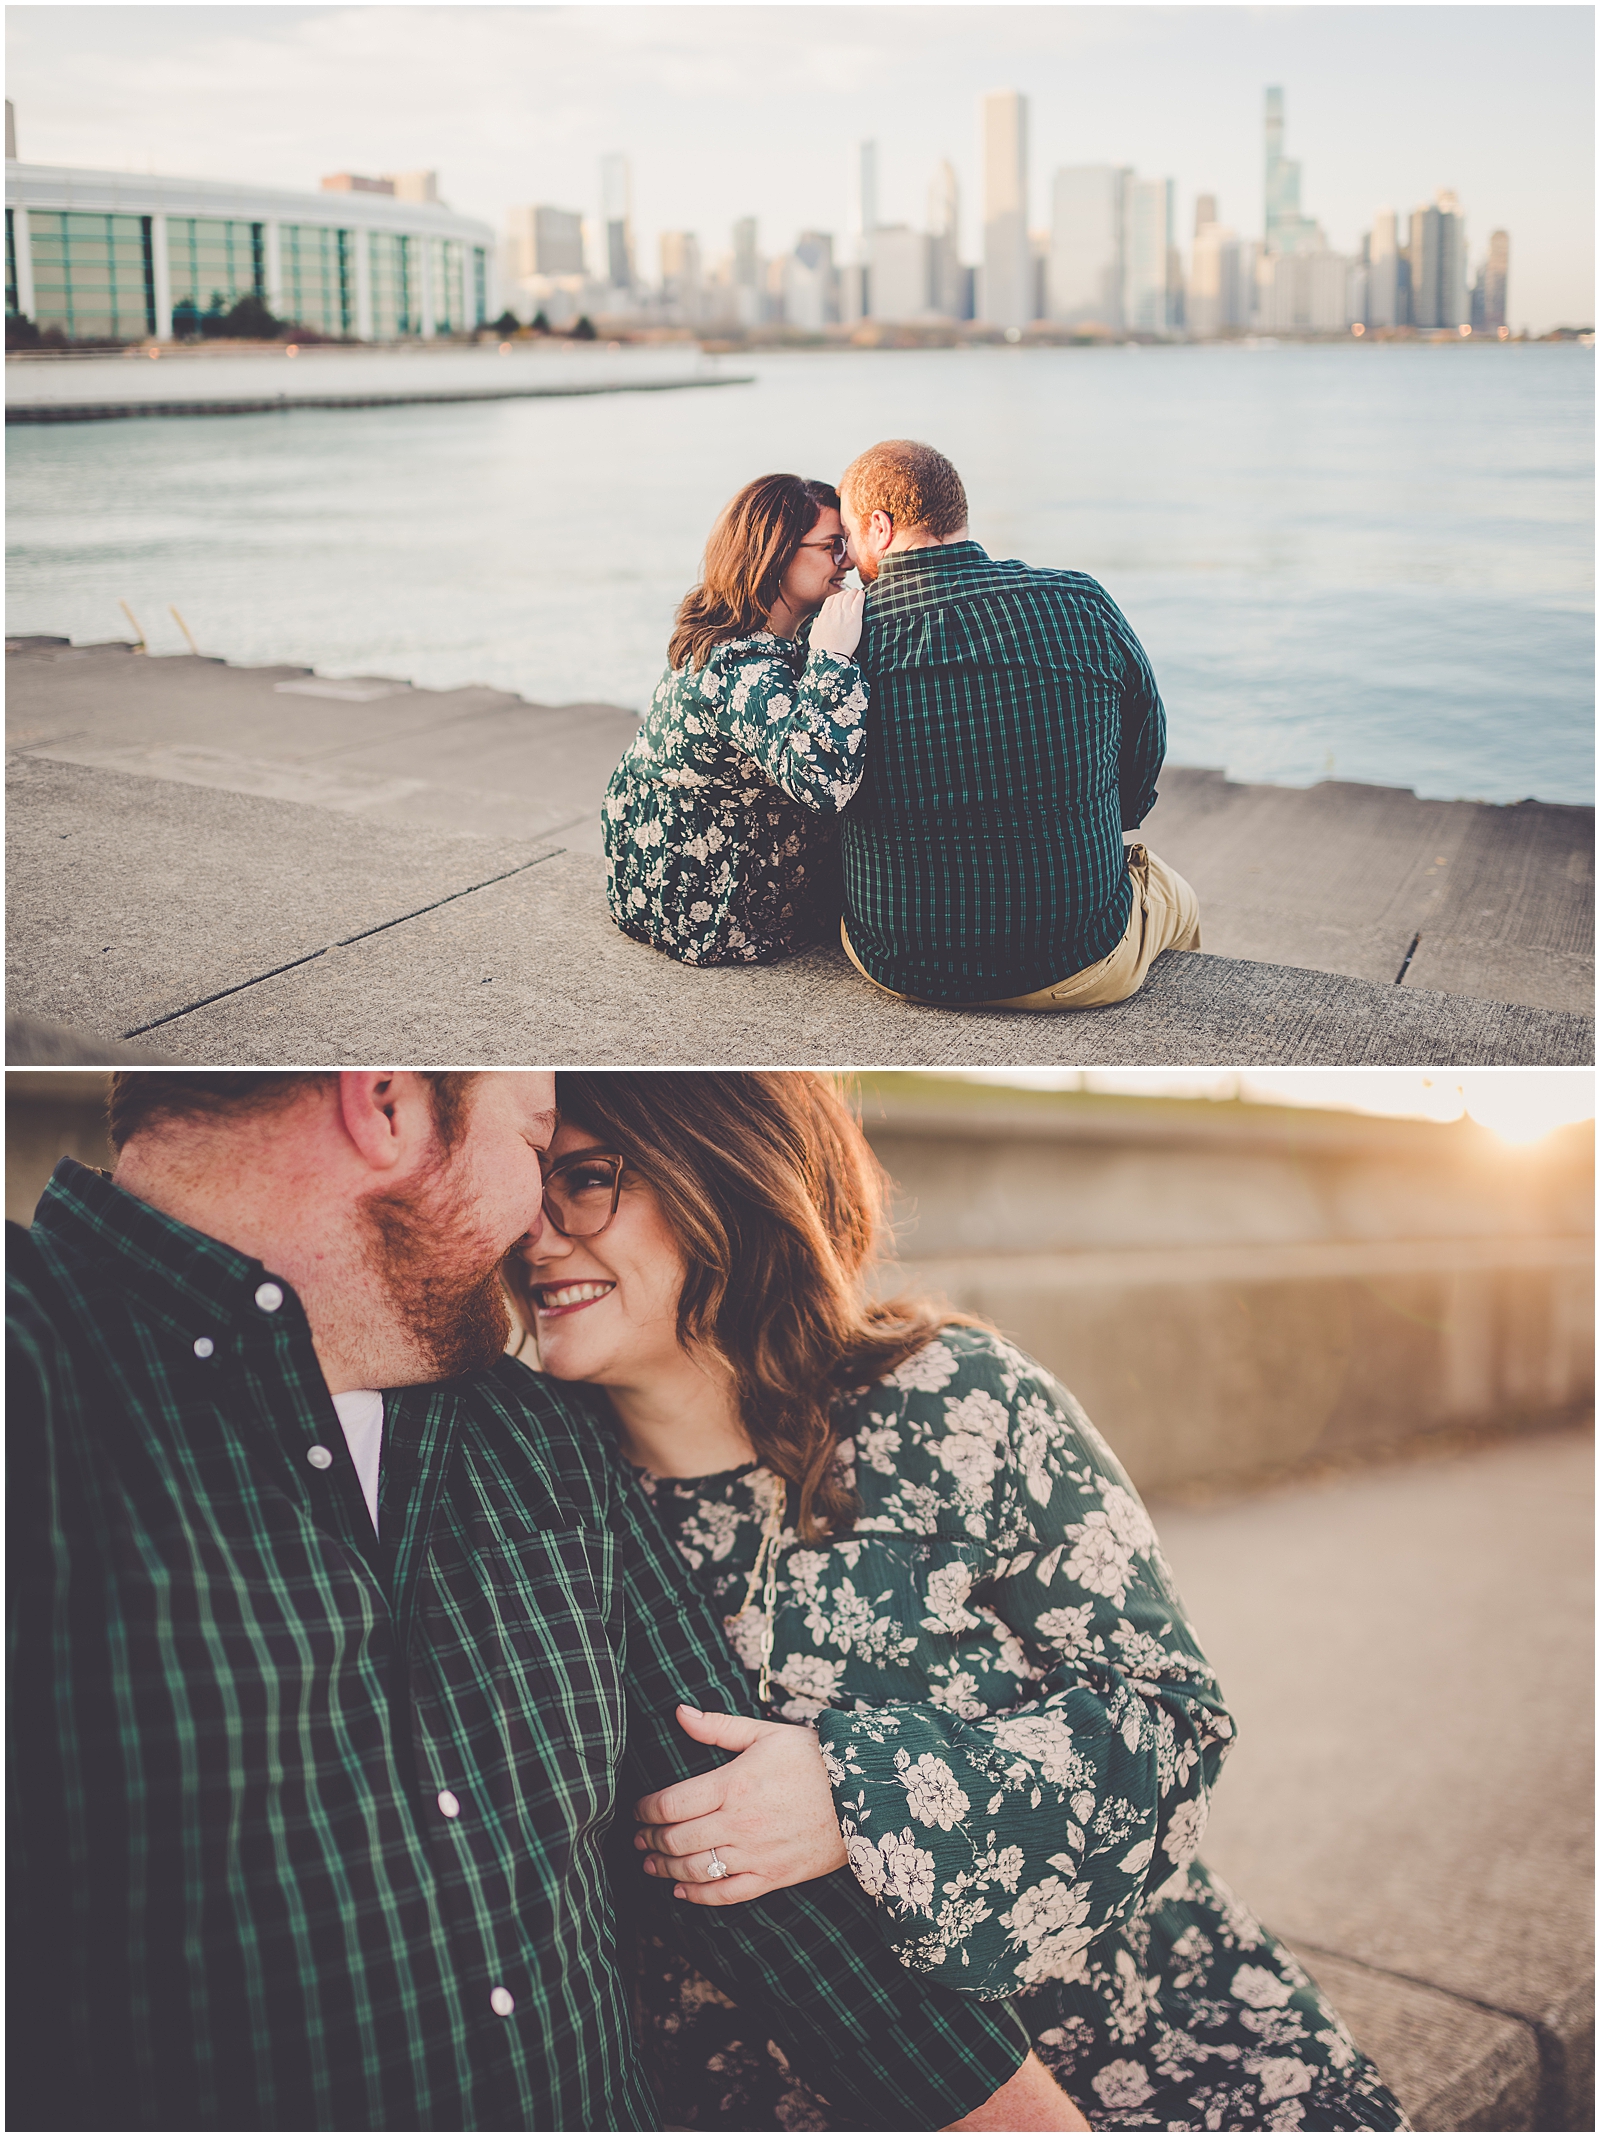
[109,256]
[396,297]
[317,268]
[213,264]
[93,275]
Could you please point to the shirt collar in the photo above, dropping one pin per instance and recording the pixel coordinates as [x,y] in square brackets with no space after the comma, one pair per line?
[947,555]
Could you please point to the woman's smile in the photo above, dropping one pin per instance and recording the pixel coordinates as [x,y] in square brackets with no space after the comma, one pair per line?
[553,1299]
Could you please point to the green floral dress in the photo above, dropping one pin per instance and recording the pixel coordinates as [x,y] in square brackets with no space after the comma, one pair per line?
[1022,1735]
[721,820]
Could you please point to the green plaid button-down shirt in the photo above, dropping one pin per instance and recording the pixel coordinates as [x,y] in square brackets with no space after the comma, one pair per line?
[1015,733]
[307,1827]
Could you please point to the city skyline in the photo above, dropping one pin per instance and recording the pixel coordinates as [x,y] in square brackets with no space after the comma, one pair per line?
[1503,117]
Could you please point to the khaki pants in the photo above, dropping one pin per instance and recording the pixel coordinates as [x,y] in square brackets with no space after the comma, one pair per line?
[1165,916]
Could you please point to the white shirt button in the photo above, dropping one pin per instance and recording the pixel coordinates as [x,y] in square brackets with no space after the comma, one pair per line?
[501,2002]
[449,1804]
[319,1457]
[269,1297]
[203,1346]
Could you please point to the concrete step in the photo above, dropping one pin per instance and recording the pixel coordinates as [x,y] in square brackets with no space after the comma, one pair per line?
[244,864]
[1373,882]
[225,927]
[1409,1655]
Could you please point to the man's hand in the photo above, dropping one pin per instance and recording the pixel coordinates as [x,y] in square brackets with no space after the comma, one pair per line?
[768,1814]
[1030,2099]
[838,625]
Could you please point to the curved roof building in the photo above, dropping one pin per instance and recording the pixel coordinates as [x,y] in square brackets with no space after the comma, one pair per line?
[110,255]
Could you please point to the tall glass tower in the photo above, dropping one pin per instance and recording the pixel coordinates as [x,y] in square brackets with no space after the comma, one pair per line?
[616,210]
[1285,229]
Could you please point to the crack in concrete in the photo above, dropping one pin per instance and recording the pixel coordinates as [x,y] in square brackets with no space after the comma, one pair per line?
[343,942]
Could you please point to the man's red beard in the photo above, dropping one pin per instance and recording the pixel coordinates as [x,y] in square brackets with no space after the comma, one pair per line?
[444,1282]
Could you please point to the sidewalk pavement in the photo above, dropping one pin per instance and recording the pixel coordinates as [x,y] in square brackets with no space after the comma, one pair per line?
[1408,1652]
[262,864]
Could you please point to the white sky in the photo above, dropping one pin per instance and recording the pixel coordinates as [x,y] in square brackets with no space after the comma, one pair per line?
[734,110]
[1519,1104]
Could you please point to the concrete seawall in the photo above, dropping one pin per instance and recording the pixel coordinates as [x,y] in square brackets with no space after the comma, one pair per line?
[247,379]
[1232,1291]
[235,864]
[1236,1290]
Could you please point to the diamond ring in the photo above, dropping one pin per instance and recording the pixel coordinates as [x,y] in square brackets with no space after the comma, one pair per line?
[716,1867]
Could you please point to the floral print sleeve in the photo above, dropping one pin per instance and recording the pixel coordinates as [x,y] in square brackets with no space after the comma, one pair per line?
[1022,1736]
[806,733]
[1003,1836]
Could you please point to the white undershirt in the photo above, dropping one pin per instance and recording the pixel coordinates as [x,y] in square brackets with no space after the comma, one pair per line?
[361,1414]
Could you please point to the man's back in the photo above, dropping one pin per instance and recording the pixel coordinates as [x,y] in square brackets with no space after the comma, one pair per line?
[1015,731]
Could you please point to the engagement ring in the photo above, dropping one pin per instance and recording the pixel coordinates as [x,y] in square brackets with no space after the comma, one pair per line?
[716,1867]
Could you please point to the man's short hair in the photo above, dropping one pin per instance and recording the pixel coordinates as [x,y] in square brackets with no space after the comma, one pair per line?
[913,483]
[142,1099]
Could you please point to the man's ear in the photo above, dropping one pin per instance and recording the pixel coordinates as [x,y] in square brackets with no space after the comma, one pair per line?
[377,1108]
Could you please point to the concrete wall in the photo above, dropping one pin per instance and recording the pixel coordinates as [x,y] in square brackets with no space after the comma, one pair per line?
[1230,1289]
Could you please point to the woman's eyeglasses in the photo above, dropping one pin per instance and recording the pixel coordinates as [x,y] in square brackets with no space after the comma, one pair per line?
[839,546]
[581,1191]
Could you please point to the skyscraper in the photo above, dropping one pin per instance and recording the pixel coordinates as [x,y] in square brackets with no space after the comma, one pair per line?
[1438,251]
[866,198]
[747,304]
[1084,281]
[944,233]
[899,277]
[808,282]
[1383,272]
[680,272]
[1221,281]
[1149,207]
[544,241]
[1285,228]
[1496,269]
[1007,262]
[616,212]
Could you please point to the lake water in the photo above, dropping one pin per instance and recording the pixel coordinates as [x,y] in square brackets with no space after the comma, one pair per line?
[1373,563]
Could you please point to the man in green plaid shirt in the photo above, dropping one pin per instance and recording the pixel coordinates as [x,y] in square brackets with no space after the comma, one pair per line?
[323,1698]
[1015,735]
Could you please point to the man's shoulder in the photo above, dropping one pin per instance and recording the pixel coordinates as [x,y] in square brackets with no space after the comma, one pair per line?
[1052,581]
[563,1425]
[37,1305]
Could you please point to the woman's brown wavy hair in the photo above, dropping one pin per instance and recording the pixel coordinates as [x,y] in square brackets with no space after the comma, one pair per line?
[751,547]
[777,1203]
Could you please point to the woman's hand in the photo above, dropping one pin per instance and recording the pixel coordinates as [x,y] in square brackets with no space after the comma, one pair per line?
[838,625]
[768,1813]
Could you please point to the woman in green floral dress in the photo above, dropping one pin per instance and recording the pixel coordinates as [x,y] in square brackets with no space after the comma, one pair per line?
[922,1547]
[721,820]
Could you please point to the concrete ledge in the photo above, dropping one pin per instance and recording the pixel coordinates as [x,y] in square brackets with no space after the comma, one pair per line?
[279,942]
[1376,883]
[1454,2065]
[264,865]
